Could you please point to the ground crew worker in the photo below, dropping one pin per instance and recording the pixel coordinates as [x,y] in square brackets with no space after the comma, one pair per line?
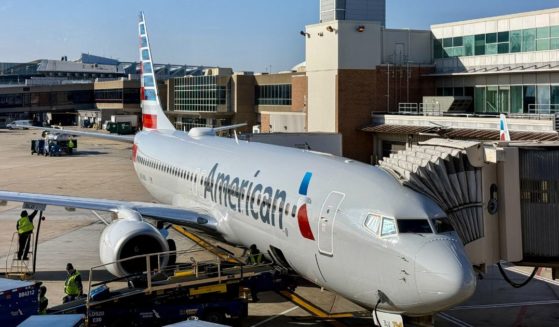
[73,285]
[71,146]
[24,229]
[43,301]
[255,257]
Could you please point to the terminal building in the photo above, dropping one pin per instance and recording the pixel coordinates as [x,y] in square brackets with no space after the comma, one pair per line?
[380,88]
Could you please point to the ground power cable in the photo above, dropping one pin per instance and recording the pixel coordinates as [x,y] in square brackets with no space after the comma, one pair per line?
[513,284]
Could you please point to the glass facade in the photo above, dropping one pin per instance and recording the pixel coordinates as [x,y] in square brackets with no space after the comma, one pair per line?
[275,95]
[532,39]
[45,99]
[125,96]
[201,93]
[527,99]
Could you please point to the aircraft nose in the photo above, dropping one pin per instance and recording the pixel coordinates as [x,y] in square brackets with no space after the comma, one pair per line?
[444,275]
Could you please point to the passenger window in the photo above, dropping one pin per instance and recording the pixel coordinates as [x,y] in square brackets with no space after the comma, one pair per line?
[388,227]
[372,223]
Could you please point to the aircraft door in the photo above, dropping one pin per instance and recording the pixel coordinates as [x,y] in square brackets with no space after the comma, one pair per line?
[326,222]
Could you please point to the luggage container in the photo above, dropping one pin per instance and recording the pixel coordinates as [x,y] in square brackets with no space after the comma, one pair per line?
[18,300]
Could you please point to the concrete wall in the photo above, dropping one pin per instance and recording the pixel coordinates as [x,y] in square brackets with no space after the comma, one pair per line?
[401,46]
[321,142]
[284,122]
[299,93]
[322,103]
[242,98]
[499,79]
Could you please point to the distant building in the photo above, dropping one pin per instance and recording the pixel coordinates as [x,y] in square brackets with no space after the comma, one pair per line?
[364,10]
[221,97]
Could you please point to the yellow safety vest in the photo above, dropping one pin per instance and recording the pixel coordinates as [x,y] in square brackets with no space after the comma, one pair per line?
[70,144]
[255,259]
[24,225]
[70,286]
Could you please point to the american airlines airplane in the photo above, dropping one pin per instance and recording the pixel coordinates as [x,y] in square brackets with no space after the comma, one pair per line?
[343,225]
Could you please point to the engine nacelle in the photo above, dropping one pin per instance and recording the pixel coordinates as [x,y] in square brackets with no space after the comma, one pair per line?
[126,238]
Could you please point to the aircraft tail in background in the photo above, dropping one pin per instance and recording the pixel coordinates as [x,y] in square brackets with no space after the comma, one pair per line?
[504,134]
[153,117]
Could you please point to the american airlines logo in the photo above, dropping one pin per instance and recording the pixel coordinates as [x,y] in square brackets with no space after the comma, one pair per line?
[245,196]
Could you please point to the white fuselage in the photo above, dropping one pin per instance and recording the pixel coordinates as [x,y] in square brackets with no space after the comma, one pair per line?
[257,193]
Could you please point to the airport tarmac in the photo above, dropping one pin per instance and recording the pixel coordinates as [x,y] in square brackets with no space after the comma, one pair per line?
[103,169]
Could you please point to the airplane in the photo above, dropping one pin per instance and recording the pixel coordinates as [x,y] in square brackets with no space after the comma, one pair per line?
[504,134]
[346,226]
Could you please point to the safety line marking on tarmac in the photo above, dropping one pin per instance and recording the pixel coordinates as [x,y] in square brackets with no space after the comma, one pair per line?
[454,320]
[274,317]
[504,305]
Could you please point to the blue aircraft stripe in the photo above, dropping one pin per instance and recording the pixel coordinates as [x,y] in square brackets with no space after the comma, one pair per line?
[305,184]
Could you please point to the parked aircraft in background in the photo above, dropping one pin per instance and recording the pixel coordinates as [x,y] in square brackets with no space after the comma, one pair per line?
[504,134]
[346,226]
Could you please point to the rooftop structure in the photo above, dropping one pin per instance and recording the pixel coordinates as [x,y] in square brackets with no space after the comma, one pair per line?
[358,10]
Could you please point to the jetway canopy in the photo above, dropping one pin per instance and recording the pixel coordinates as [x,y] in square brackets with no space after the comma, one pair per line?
[441,170]
[501,197]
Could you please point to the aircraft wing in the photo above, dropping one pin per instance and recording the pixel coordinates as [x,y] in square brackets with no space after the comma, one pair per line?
[180,216]
[118,138]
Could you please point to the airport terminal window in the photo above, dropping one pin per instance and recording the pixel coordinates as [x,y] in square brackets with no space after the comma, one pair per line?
[419,226]
[469,45]
[515,41]
[480,44]
[388,227]
[144,42]
[278,95]
[201,93]
[516,99]
[529,40]
[532,39]
[108,96]
[142,29]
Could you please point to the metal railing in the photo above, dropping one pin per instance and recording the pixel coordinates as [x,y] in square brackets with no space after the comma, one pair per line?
[21,267]
[543,109]
[196,269]
[418,109]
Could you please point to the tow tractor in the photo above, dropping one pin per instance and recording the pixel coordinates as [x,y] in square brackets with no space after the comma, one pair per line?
[54,144]
[212,290]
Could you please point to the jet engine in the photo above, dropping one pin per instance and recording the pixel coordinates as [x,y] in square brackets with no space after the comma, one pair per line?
[130,236]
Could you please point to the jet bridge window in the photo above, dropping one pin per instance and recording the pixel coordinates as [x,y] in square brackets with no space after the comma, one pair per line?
[388,227]
[419,226]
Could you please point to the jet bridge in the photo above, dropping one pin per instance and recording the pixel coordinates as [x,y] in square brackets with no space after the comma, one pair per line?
[501,197]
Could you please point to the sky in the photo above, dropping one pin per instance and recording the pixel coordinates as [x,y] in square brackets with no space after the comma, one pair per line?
[246,35]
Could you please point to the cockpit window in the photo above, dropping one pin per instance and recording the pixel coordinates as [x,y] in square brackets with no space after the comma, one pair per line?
[442,225]
[388,227]
[418,226]
[372,223]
